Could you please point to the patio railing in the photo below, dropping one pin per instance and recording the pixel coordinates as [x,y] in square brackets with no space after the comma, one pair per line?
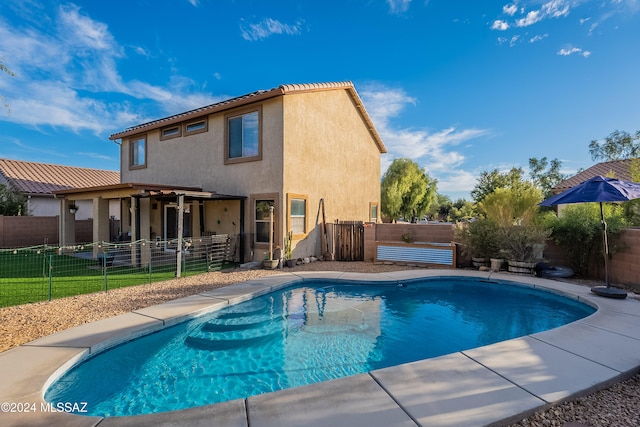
[42,273]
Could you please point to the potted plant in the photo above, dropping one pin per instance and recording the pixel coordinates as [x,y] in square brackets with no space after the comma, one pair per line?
[271,262]
[288,250]
[480,240]
[524,245]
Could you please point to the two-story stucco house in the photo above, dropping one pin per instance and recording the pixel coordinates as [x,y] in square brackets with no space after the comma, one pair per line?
[219,168]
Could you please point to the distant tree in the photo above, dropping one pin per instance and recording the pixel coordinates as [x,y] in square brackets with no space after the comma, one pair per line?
[462,210]
[440,208]
[618,145]
[406,190]
[489,181]
[6,69]
[12,203]
[545,174]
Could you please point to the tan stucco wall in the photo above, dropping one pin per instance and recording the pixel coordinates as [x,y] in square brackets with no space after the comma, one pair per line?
[314,144]
[329,154]
[198,160]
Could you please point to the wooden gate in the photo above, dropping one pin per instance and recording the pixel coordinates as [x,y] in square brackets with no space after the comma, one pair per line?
[348,238]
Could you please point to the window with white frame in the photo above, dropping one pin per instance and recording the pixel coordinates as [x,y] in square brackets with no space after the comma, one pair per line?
[298,214]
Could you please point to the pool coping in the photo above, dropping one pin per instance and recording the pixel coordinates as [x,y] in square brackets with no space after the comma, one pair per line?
[492,385]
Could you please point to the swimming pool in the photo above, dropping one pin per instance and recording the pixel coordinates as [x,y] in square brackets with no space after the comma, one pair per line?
[314,331]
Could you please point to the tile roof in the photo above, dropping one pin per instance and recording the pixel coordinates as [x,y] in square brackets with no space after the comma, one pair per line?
[42,178]
[254,97]
[619,169]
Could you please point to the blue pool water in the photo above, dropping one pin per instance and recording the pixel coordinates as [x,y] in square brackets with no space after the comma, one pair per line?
[314,331]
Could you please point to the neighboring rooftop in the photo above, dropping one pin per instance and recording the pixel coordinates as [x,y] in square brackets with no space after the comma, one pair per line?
[618,169]
[33,178]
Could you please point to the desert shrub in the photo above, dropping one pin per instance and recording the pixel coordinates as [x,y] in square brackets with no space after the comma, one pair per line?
[578,230]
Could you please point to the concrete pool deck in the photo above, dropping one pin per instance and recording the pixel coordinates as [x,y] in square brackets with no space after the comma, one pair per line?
[491,385]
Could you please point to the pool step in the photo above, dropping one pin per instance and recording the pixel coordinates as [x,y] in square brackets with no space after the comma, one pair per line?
[253,310]
[218,344]
[229,327]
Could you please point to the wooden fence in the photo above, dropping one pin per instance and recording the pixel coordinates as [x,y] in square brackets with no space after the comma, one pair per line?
[348,238]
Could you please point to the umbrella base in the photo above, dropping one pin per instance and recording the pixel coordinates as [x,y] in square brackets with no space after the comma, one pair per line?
[609,292]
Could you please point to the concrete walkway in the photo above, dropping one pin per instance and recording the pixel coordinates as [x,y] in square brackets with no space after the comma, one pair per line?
[492,385]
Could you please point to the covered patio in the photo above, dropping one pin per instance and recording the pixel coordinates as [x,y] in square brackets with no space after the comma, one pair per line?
[159,213]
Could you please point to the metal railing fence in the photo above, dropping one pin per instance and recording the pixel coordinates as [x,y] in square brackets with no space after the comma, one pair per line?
[45,272]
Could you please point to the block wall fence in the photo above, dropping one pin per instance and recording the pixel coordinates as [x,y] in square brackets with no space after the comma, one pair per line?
[624,266]
[22,231]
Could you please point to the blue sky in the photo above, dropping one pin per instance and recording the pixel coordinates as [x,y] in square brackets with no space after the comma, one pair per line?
[458,86]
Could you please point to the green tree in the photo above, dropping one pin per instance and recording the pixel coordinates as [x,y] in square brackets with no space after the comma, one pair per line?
[407,191]
[462,210]
[517,205]
[618,145]
[631,208]
[12,203]
[545,174]
[489,181]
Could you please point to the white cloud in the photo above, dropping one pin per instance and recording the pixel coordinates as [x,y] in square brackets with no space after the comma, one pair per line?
[194,3]
[552,9]
[511,41]
[268,27]
[538,38]
[65,68]
[83,32]
[435,151]
[510,9]
[458,182]
[530,19]
[556,8]
[94,155]
[574,51]
[398,6]
[500,25]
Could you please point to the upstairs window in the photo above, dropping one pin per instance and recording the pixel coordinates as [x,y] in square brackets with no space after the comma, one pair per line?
[243,142]
[138,152]
[197,126]
[170,132]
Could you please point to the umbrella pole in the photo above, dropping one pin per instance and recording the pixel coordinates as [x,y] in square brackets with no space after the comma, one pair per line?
[607,291]
[605,242]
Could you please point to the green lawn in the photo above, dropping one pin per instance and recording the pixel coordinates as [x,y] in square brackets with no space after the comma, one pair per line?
[39,275]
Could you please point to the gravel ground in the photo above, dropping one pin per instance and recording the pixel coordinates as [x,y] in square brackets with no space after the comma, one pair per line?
[616,406]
